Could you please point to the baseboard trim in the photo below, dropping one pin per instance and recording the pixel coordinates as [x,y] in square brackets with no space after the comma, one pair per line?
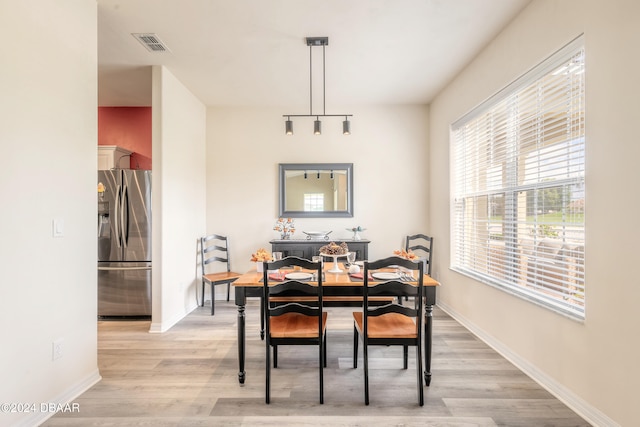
[160,327]
[37,418]
[566,396]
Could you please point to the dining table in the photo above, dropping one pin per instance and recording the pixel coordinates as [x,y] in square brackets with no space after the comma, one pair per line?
[339,288]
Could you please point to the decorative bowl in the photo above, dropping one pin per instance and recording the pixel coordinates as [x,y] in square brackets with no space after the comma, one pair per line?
[317,235]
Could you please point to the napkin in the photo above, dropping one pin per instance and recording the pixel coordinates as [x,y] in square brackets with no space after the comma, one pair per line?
[359,276]
[277,277]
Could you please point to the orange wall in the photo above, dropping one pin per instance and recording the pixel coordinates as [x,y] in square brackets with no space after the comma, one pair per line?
[129,128]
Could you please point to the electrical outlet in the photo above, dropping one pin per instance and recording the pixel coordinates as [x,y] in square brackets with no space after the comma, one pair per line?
[56,349]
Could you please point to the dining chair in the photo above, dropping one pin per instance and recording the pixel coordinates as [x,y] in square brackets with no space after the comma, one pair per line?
[214,251]
[421,245]
[298,316]
[391,324]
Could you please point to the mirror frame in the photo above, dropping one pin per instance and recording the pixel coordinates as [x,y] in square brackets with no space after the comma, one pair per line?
[284,167]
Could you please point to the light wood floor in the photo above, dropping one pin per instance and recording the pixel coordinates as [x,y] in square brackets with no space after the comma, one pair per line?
[188,377]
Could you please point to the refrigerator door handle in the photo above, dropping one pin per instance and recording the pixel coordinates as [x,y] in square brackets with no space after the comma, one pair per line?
[125,215]
[117,211]
[123,268]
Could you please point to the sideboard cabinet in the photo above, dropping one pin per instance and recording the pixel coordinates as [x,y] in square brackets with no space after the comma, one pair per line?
[309,248]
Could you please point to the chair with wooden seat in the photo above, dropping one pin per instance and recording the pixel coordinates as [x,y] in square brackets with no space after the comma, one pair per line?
[214,251]
[298,316]
[422,246]
[391,324]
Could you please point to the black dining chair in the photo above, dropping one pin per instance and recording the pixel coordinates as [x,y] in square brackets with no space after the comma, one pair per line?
[214,250]
[422,246]
[297,317]
[391,324]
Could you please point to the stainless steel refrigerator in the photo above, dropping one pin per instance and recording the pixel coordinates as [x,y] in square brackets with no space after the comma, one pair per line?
[124,243]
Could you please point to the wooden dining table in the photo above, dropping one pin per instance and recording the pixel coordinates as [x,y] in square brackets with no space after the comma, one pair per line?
[338,289]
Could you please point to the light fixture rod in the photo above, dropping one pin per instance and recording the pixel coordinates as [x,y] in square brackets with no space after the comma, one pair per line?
[324,95]
[324,79]
[310,80]
[317,115]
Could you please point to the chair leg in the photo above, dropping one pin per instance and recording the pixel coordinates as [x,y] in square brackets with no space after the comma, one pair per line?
[366,372]
[213,298]
[228,290]
[268,374]
[406,356]
[355,347]
[323,360]
[202,305]
[324,346]
[261,318]
[275,356]
[419,369]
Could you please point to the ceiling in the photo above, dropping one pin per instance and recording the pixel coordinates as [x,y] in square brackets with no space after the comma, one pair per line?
[253,52]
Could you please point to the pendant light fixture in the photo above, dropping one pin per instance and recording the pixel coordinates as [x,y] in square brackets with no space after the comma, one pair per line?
[289,127]
[317,124]
[346,126]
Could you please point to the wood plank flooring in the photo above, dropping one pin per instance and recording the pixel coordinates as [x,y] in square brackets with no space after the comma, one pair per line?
[188,376]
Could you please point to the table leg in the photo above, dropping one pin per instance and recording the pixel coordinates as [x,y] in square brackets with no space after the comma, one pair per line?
[241,343]
[428,329]
[241,300]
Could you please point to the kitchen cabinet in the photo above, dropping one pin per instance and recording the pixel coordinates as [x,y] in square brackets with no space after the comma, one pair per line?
[111,157]
[309,248]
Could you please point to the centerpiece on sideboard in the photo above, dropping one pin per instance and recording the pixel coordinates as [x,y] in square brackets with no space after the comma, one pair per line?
[286,227]
[317,235]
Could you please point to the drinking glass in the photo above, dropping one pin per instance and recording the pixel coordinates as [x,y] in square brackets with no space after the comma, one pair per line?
[319,259]
[277,256]
[351,257]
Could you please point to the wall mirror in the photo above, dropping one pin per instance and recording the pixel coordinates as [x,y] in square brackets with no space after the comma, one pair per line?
[316,190]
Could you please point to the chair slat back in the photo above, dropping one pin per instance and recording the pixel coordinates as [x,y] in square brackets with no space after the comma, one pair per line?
[423,243]
[395,288]
[392,308]
[294,307]
[214,248]
[292,289]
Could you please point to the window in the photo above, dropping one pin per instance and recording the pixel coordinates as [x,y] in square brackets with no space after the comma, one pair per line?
[518,190]
[313,202]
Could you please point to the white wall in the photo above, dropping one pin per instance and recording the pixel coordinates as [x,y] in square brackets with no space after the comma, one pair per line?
[591,365]
[179,136]
[49,160]
[388,147]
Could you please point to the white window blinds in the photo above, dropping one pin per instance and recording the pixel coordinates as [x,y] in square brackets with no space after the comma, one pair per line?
[518,186]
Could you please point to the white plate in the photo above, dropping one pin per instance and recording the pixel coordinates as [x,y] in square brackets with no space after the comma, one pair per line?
[385,276]
[298,276]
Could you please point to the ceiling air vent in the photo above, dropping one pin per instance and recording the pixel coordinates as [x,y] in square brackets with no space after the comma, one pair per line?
[151,42]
